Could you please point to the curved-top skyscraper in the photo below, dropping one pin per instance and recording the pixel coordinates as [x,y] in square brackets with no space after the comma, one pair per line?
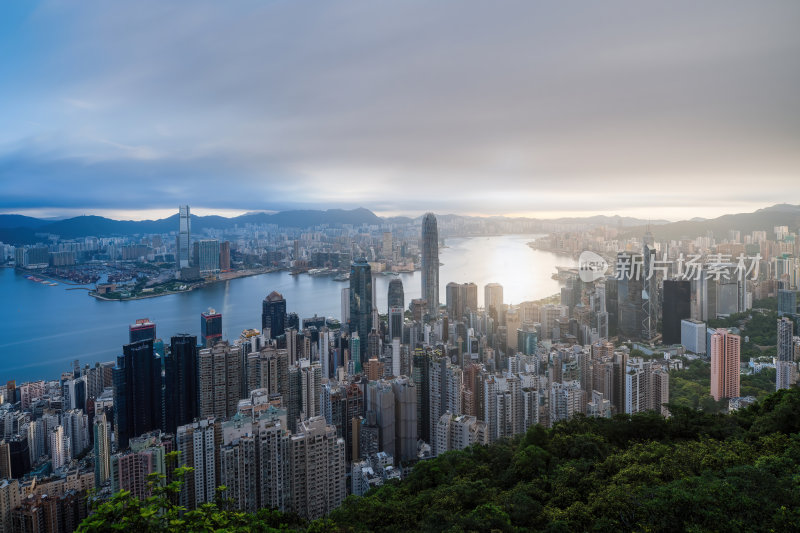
[430,263]
[396,297]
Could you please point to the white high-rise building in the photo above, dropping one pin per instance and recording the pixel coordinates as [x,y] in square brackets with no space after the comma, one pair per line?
[195,442]
[37,436]
[60,448]
[693,335]
[566,399]
[396,355]
[324,353]
[456,432]
[76,427]
[345,305]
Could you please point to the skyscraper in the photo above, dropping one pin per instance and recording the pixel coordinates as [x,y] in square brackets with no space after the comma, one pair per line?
[208,256]
[137,391]
[632,297]
[317,469]
[237,463]
[379,398]
[196,442]
[455,305]
[180,382]
[395,323]
[345,302]
[649,288]
[102,450]
[430,263]
[225,256]
[60,449]
[273,314]
[396,296]
[784,364]
[725,361]
[493,298]
[693,335]
[355,351]
[422,384]
[218,381]
[143,329]
[470,299]
[387,245]
[184,236]
[405,418]
[676,306]
[361,301]
[210,327]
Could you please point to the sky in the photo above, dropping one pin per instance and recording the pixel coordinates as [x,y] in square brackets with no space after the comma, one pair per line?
[652,109]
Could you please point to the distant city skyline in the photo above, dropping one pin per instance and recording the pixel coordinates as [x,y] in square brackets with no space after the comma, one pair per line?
[158,214]
[536,109]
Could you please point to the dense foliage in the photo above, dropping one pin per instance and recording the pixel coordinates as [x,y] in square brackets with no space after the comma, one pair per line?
[691,386]
[161,512]
[757,328]
[695,471]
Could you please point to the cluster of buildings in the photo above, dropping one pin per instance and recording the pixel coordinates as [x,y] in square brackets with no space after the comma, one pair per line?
[298,414]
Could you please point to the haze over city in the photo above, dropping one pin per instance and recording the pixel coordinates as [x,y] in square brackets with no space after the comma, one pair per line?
[669,110]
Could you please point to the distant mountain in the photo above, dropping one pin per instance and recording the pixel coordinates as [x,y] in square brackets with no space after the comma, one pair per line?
[616,220]
[762,220]
[21,221]
[399,220]
[19,229]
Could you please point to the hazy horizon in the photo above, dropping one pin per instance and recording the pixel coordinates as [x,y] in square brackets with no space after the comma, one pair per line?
[157,214]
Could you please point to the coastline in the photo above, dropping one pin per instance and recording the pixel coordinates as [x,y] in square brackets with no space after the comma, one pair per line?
[190,286]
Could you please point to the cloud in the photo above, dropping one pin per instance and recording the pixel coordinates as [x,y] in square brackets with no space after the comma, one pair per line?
[470,107]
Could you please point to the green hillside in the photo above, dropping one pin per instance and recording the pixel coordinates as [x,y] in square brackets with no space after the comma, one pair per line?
[693,472]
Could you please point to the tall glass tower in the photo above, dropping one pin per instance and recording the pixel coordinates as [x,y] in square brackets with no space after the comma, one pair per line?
[184,234]
[395,293]
[273,314]
[396,308]
[361,300]
[430,263]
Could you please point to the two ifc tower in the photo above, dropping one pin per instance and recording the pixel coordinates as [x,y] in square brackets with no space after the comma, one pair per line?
[430,263]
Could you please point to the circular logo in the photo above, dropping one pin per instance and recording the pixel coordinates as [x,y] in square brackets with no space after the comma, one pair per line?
[591,266]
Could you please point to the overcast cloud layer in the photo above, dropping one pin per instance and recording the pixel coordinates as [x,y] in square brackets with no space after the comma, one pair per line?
[486,107]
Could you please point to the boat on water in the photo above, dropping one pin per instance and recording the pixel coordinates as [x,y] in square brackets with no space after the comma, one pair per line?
[342,277]
[387,273]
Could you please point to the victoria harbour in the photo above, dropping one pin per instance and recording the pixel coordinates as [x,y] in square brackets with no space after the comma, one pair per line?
[47,327]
